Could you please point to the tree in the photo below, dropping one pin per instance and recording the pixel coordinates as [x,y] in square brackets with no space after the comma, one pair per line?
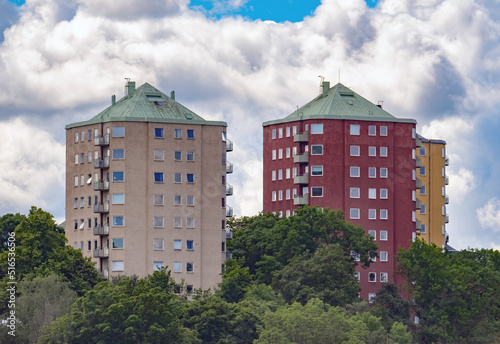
[390,306]
[235,281]
[8,224]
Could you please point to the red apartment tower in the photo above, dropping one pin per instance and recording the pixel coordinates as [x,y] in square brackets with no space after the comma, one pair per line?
[343,152]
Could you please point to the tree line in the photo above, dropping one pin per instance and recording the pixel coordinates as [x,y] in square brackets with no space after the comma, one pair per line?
[291,280]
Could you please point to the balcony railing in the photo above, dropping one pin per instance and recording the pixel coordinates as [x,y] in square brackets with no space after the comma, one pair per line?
[419,162]
[229,233]
[229,190]
[102,252]
[418,141]
[101,230]
[303,179]
[446,180]
[418,204]
[446,161]
[418,225]
[229,167]
[229,255]
[229,211]
[301,137]
[101,185]
[447,218]
[229,145]
[418,183]
[301,200]
[101,208]
[101,140]
[446,199]
[301,158]
[104,273]
[102,163]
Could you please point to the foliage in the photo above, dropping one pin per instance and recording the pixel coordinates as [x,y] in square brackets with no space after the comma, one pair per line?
[8,224]
[456,295]
[235,281]
[391,306]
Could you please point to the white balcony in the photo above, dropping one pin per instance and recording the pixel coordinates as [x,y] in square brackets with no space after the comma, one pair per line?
[229,167]
[101,140]
[102,163]
[229,211]
[229,190]
[229,146]
[301,137]
[101,185]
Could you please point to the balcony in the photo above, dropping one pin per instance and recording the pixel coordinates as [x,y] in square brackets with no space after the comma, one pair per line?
[229,146]
[101,185]
[102,252]
[418,183]
[229,234]
[101,208]
[229,255]
[418,225]
[301,158]
[418,204]
[446,199]
[419,162]
[229,167]
[301,200]
[103,163]
[104,273]
[101,230]
[303,179]
[446,180]
[301,137]
[229,190]
[446,161]
[101,140]
[229,211]
[418,142]
[447,218]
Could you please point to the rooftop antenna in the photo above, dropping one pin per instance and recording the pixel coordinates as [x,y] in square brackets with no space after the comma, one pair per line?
[126,85]
[339,75]
[322,78]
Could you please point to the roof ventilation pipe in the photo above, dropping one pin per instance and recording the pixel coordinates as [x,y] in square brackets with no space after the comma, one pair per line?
[113,100]
[130,88]
[172,95]
[326,87]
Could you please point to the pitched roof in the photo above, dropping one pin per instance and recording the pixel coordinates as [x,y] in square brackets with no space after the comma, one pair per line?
[147,104]
[340,102]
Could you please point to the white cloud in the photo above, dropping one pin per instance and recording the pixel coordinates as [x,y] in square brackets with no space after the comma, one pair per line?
[462,183]
[489,214]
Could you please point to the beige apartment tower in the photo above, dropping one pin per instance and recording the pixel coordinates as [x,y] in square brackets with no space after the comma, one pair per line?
[146,187]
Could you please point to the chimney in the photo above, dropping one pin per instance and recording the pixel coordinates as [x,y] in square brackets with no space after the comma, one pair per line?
[172,95]
[113,100]
[130,88]
[326,87]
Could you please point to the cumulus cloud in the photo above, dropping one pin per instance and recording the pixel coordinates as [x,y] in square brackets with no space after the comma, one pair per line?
[31,169]
[489,214]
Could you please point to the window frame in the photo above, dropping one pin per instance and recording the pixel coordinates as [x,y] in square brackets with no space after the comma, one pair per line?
[313,147]
[159,133]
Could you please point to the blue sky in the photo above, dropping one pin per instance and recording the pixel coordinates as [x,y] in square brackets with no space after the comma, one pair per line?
[436,61]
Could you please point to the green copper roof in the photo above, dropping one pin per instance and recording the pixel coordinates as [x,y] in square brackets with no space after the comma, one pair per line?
[340,102]
[147,104]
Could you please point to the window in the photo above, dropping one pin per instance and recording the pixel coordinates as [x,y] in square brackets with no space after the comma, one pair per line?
[190,156]
[190,178]
[158,244]
[190,222]
[76,181]
[177,178]
[384,277]
[159,133]
[82,180]
[178,133]
[274,154]
[317,192]
[287,193]
[274,196]
[118,176]
[76,159]
[189,267]
[383,152]
[357,276]
[90,135]
[372,193]
[422,209]
[117,221]
[177,222]
[383,235]
[159,155]
[177,200]
[317,128]
[273,175]
[383,130]
[177,267]
[118,154]
[82,202]
[355,256]
[354,192]
[274,134]
[372,277]
[288,152]
[190,133]
[177,156]
[280,133]
[76,137]
[383,256]
[158,199]
[280,153]
[158,177]
[372,151]
[89,245]
[354,150]
[316,170]
[372,130]
[76,203]
[372,214]
[287,173]
[280,195]
[177,245]
[158,221]
[383,172]
[117,265]
[383,214]
[294,130]
[422,190]
[117,243]
[190,201]
[422,229]
[354,129]
[287,131]
[116,132]
[89,201]
[354,171]
[383,193]
[373,233]
[189,245]
[89,157]
[280,174]
[372,172]
[316,149]
[157,266]
[422,151]
[354,213]
[118,199]
[421,171]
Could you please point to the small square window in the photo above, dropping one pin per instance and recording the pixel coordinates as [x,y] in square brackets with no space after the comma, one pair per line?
[190,201]
[177,222]
[117,221]
[354,192]
[372,172]
[117,265]
[178,133]
[383,193]
[190,156]
[118,176]
[372,130]
[177,178]
[354,129]
[177,200]
[372,277]
[316,170]
[317,128]
[177,156]
[158,199]
[157,266]
[115,199]
[422,151]
[383,152]
[118,154]
[316,149]
[354,151]
[372,151]
[190,222]
[384,277]
[354,213]
[422,229]
[383,130]
[189,245]
[422,190]
[177,245]
[383,214]
[177,267]
[383,256]
[383,172]
[190,178]
[190,133]
[372,214]
[189,267]
[422,209]
[373,233]
[372,193]
[117,243]
[158,222]
[354,171]
[116,132]
[316,191]
[158,177]
[421,171]
[159,133]
[383,235]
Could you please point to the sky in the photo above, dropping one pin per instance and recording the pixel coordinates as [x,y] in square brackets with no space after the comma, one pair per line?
[246,62]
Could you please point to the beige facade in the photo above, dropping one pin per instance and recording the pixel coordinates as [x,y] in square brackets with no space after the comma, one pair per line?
[431,193]
[147,188]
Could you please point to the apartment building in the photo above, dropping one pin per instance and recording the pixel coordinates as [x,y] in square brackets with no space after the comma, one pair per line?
[343,152]
[146,187]
[431,195]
